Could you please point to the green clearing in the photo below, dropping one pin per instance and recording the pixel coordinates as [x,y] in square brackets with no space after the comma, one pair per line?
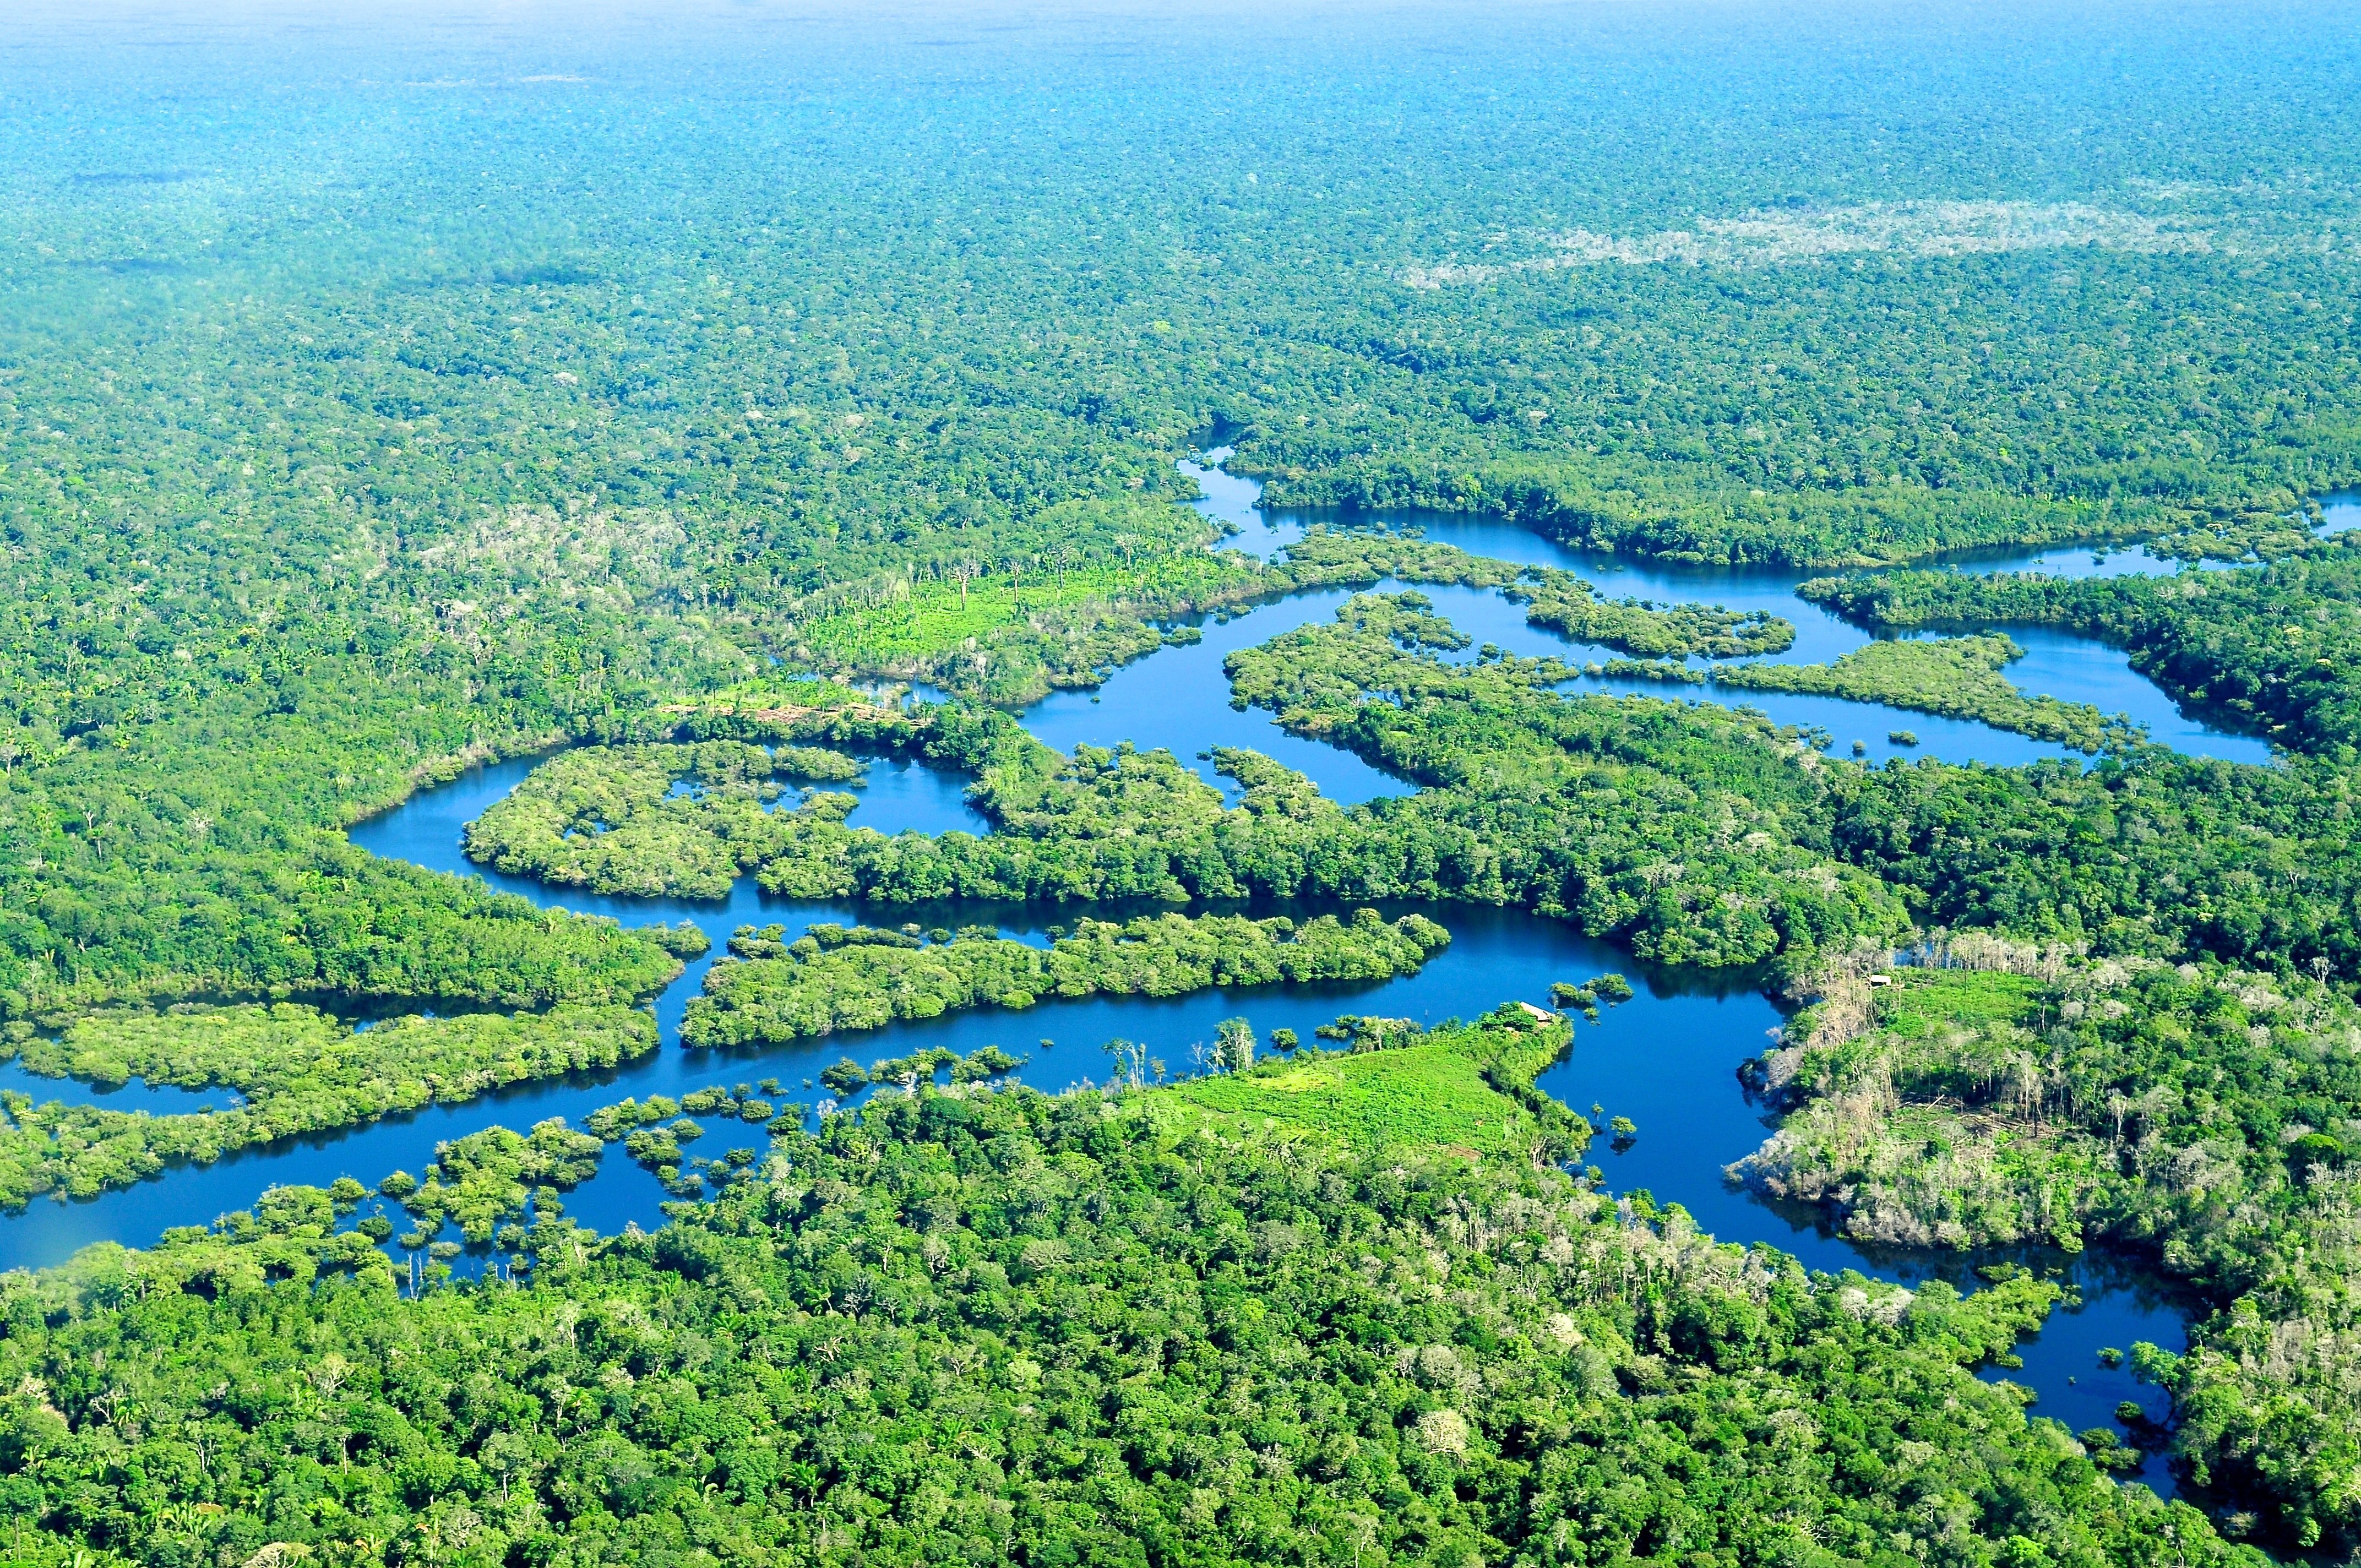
[1439,1092]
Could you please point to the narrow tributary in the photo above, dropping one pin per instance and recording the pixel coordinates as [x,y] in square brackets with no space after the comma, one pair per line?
[1666,1060]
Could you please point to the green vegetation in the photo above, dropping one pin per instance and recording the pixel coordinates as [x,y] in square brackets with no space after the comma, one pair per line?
[994,640]
[1586,808]
[1464,1088]
[434,507]
[2268,650]
[1697,834]
[354,438]
[1611,989]
[816,763]
[1009,1328]
[2147,853]
[1555,598]
[318,918]
[606,819]
[2204,1115]
[1958,677]
[483,1181]
[970,620]
[814,989]
[299,1070]
[1688,832]
[1575,807]
[1672,632]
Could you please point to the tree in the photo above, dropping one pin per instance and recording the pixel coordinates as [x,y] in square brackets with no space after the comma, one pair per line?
[1235,1050]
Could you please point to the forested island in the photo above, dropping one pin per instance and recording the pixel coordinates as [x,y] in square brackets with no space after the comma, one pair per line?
[726,431]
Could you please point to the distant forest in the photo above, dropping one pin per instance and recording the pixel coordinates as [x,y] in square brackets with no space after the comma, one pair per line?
[379,399]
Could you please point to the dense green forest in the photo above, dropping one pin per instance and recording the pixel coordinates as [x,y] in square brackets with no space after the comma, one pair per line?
[1010,1327]
[2269,650]
[867,978]
[2206,1113]
[381,397]
[300,505]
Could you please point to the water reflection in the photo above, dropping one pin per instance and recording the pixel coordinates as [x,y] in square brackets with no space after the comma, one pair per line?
[133,1094]
[897,795]
[2340,512]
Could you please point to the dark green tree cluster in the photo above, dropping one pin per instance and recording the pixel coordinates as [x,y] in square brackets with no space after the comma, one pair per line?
[2146,852]
[1007,1328]
[296,1071]
[2269,649]
[811,990]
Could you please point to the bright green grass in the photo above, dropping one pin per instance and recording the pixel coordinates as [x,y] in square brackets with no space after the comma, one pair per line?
[1431,1095]
[1923,999]
[914,620]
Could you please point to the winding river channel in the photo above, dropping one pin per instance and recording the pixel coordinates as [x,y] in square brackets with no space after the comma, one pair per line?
[1666,1060]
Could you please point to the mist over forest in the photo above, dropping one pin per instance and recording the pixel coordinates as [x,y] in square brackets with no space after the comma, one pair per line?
[1545,783]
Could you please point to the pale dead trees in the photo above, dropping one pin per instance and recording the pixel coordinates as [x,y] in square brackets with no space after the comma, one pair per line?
[1233,1048]
[1131,1063]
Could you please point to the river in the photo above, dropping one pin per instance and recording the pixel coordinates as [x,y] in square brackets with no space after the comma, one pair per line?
[1655,1059]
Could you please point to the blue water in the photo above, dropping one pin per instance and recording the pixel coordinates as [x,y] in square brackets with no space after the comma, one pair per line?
[898,796]
[137,1094]
[1236,502]
[1666,1060]
[2056,664]
[1179,698]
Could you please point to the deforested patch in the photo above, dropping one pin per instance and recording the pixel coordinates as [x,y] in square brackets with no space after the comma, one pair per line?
[1782,237]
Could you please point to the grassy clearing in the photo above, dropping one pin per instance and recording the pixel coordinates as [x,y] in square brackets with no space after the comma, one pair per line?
[912,623]
[1465,1090]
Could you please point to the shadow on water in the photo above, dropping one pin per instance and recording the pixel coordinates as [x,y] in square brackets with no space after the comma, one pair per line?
[133,1094]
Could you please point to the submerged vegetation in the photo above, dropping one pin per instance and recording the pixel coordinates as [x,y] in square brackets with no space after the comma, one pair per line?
[1012,1326]
[358,435]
